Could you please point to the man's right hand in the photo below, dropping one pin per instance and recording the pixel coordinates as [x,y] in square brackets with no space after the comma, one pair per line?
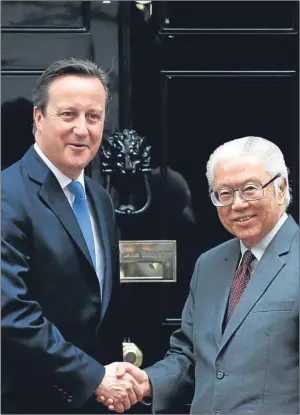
[123,389]
[123,370]
[139,375]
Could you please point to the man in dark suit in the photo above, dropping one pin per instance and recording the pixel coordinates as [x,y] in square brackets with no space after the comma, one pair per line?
[60,257]
[237,350]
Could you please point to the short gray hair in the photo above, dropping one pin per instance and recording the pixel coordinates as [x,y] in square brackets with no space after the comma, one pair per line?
[269,153]
[68,66]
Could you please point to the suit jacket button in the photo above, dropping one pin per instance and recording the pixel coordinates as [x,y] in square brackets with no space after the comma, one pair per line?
[69,398]
[220,374]
[60,392]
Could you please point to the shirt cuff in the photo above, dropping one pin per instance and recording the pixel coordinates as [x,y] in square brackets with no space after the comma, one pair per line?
[146,401]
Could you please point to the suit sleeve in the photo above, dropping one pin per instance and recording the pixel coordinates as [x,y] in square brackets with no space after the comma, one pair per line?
[33,342]
[172,378]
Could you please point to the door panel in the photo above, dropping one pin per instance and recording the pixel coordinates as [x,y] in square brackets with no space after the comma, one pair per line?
[221,106]
[55,46]
[38,14]
[16,112]
[228,16]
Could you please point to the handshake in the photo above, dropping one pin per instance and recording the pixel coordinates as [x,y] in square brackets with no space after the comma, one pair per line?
[123,385]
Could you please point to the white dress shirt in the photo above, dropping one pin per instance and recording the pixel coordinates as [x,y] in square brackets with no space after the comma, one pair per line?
[64,181]
[259,249]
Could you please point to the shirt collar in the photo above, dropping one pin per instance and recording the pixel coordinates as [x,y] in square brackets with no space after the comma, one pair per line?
[259,249]
[63,180]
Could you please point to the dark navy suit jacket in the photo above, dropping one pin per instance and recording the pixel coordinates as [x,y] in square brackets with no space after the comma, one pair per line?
[55,328]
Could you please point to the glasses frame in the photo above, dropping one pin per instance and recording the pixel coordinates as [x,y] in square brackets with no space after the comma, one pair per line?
[239,190]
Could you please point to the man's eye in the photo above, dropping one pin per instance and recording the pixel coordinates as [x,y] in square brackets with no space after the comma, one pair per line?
[68,114]
[94,116]
[224,193]
[250,187]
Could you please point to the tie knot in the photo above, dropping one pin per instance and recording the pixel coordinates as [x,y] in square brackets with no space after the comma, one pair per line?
[247,258]
[77,189]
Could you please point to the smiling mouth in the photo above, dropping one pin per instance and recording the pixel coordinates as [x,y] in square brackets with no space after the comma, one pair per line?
[243,219]
[78,145]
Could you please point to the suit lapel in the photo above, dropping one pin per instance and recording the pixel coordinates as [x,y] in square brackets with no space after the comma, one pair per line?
[99,210]
[52,194]
[227,270]
[266,270]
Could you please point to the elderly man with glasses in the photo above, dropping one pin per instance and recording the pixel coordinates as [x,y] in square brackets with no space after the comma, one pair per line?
[237,350]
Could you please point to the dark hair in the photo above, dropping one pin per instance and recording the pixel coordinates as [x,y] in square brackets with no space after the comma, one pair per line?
[69,66]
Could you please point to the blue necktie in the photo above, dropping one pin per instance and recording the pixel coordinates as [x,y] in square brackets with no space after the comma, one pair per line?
[81,210]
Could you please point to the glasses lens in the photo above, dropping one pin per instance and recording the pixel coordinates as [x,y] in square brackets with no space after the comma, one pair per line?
[252,191]
[224,196]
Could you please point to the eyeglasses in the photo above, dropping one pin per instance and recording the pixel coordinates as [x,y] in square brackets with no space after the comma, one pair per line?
[225,196]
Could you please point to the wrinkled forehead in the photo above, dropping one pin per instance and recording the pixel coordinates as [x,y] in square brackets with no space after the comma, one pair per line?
[236,170]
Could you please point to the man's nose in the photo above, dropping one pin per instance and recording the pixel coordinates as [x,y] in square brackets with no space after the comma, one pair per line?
[239,201]
[80,127]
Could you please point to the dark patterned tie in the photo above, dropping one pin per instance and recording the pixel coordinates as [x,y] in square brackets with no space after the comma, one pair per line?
[239,283]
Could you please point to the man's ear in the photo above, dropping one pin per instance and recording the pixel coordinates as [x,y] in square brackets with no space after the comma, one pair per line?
[282,190]
[37,116]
